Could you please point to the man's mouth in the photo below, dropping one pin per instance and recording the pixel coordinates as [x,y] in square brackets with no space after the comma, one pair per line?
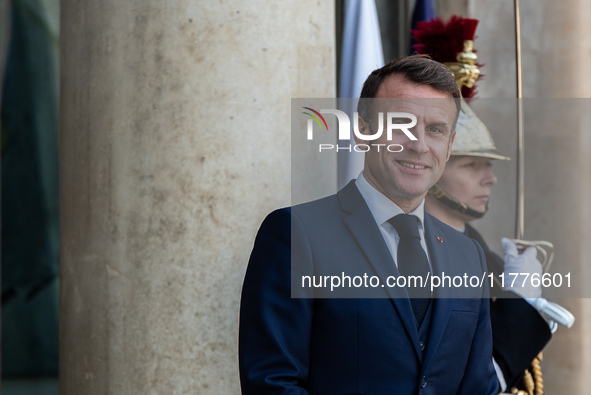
[411,165]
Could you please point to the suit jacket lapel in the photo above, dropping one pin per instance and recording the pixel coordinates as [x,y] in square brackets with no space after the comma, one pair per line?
[362,226]
[443,301]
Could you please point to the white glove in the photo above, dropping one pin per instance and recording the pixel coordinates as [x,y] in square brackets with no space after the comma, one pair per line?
[553,313]
[522,264]
[526,262]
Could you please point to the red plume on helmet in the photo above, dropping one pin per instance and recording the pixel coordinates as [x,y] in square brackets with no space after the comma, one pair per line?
[443,41]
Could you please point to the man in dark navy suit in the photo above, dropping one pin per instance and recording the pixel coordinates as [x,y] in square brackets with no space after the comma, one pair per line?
[375,337]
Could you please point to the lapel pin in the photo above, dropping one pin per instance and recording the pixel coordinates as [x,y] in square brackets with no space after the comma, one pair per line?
[440,239]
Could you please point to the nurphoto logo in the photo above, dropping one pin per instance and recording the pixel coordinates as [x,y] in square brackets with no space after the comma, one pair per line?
[401,121]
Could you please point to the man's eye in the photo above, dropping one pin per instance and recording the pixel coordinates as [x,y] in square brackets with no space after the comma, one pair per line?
[433,129]
[470,164]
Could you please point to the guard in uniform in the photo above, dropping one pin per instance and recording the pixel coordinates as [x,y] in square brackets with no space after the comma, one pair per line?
[462,195]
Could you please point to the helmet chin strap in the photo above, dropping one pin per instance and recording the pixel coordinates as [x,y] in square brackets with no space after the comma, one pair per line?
[439,194]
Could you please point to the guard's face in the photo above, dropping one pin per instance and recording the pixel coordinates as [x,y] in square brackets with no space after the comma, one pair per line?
[406,176]
[469,179]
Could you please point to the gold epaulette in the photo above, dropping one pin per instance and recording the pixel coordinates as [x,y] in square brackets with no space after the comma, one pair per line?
[534,384]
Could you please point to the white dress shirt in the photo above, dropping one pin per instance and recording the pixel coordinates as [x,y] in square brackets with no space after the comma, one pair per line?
[382,209]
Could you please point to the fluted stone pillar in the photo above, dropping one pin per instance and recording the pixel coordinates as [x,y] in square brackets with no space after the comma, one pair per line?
[556,41]
[175,143]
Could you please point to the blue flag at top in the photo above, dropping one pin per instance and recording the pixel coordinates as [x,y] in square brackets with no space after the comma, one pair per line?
[423,11]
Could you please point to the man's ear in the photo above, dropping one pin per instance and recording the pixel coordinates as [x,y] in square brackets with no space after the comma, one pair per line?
[451,142]
[363,129]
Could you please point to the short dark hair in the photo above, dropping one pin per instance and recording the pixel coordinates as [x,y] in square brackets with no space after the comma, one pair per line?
[418,69]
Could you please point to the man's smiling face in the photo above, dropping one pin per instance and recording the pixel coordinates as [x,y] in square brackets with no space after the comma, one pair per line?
[405,177]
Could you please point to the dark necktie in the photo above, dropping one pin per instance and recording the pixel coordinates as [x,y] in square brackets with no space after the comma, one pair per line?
[412,261]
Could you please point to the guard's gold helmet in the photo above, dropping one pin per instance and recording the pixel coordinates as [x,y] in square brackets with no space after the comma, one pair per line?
[473,137]
[451,44]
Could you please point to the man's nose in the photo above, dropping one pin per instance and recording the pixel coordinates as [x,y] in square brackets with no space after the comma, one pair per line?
[420,144]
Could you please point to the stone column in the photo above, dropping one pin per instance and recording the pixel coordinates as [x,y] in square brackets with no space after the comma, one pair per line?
[175,143]
[556,40]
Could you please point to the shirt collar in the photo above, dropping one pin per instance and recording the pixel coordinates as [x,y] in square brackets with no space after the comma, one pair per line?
[381,207]
[461,230]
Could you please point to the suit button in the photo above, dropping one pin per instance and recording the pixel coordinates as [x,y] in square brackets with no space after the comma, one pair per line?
[424,382]
[422,346]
